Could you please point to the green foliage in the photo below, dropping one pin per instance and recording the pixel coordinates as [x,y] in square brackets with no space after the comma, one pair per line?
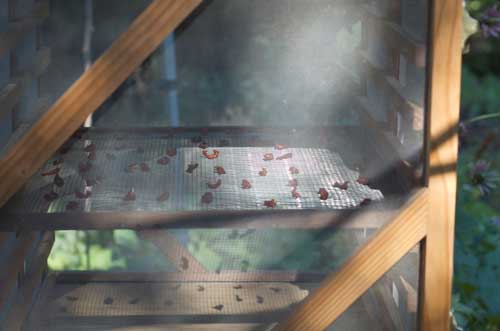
[105,250]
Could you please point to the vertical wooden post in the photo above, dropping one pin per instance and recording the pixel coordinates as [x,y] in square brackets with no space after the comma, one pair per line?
[442,123]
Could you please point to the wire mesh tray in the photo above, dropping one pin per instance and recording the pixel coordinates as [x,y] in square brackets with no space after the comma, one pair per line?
[167,171]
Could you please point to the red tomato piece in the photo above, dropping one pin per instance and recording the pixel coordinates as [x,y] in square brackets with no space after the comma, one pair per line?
[90,148]
[245,184]
[130,196]
[207,197]
[270,203]
[263,172]
[293,170]
[365,202]
[342,186]
[72,205]
[163,197]
[219,170]
[163,160]
[84,167]
[144,167]
[362,180]
[268,157]
[52,172]
[214,185]
[214,155]
[85,195]
[171,152]
[51,196]
[285,156]
[323,194]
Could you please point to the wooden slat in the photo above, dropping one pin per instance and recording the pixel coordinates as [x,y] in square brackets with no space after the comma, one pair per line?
[9,97]
[362,270]
[443,119]
[122,304]
[156,327]
[395,37]
[12,270]
[412,112]
[145,34]
[173,250]
[30,285]
[354,219]
[19,27]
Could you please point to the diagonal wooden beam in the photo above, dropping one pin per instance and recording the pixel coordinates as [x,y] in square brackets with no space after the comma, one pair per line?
[339,291]
[145,34]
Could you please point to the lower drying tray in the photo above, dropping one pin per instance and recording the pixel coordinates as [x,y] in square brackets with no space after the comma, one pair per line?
[153,174]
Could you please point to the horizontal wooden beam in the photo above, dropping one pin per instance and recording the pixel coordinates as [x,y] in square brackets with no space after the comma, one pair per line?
[373,216]
[339,291]
[22,25]
[223,276]
[145,34]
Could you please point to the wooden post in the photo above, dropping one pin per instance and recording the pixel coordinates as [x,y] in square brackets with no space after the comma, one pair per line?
[442,122]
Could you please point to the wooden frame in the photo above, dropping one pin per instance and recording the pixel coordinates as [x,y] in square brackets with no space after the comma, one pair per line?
[428,217]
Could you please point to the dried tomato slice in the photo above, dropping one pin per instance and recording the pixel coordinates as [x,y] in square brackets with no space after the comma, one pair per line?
[263,172]
[163,197]
[279,147]
[214,185]
[171,152]
[270,203]
[214,155]
[51,196]
[268,157]
[52,172]
[207,197]
[323,194]
[130,196]
[295,193]
[245,184]
[342,186]
[293,170]
[145,167]
[219,170]
[285,156]
[362,180]
[163,160]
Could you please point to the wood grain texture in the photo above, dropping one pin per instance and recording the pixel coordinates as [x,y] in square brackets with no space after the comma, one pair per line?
[20,26]
[30,285]
[12,269]
[145,34]
[362,270]
[443,117]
